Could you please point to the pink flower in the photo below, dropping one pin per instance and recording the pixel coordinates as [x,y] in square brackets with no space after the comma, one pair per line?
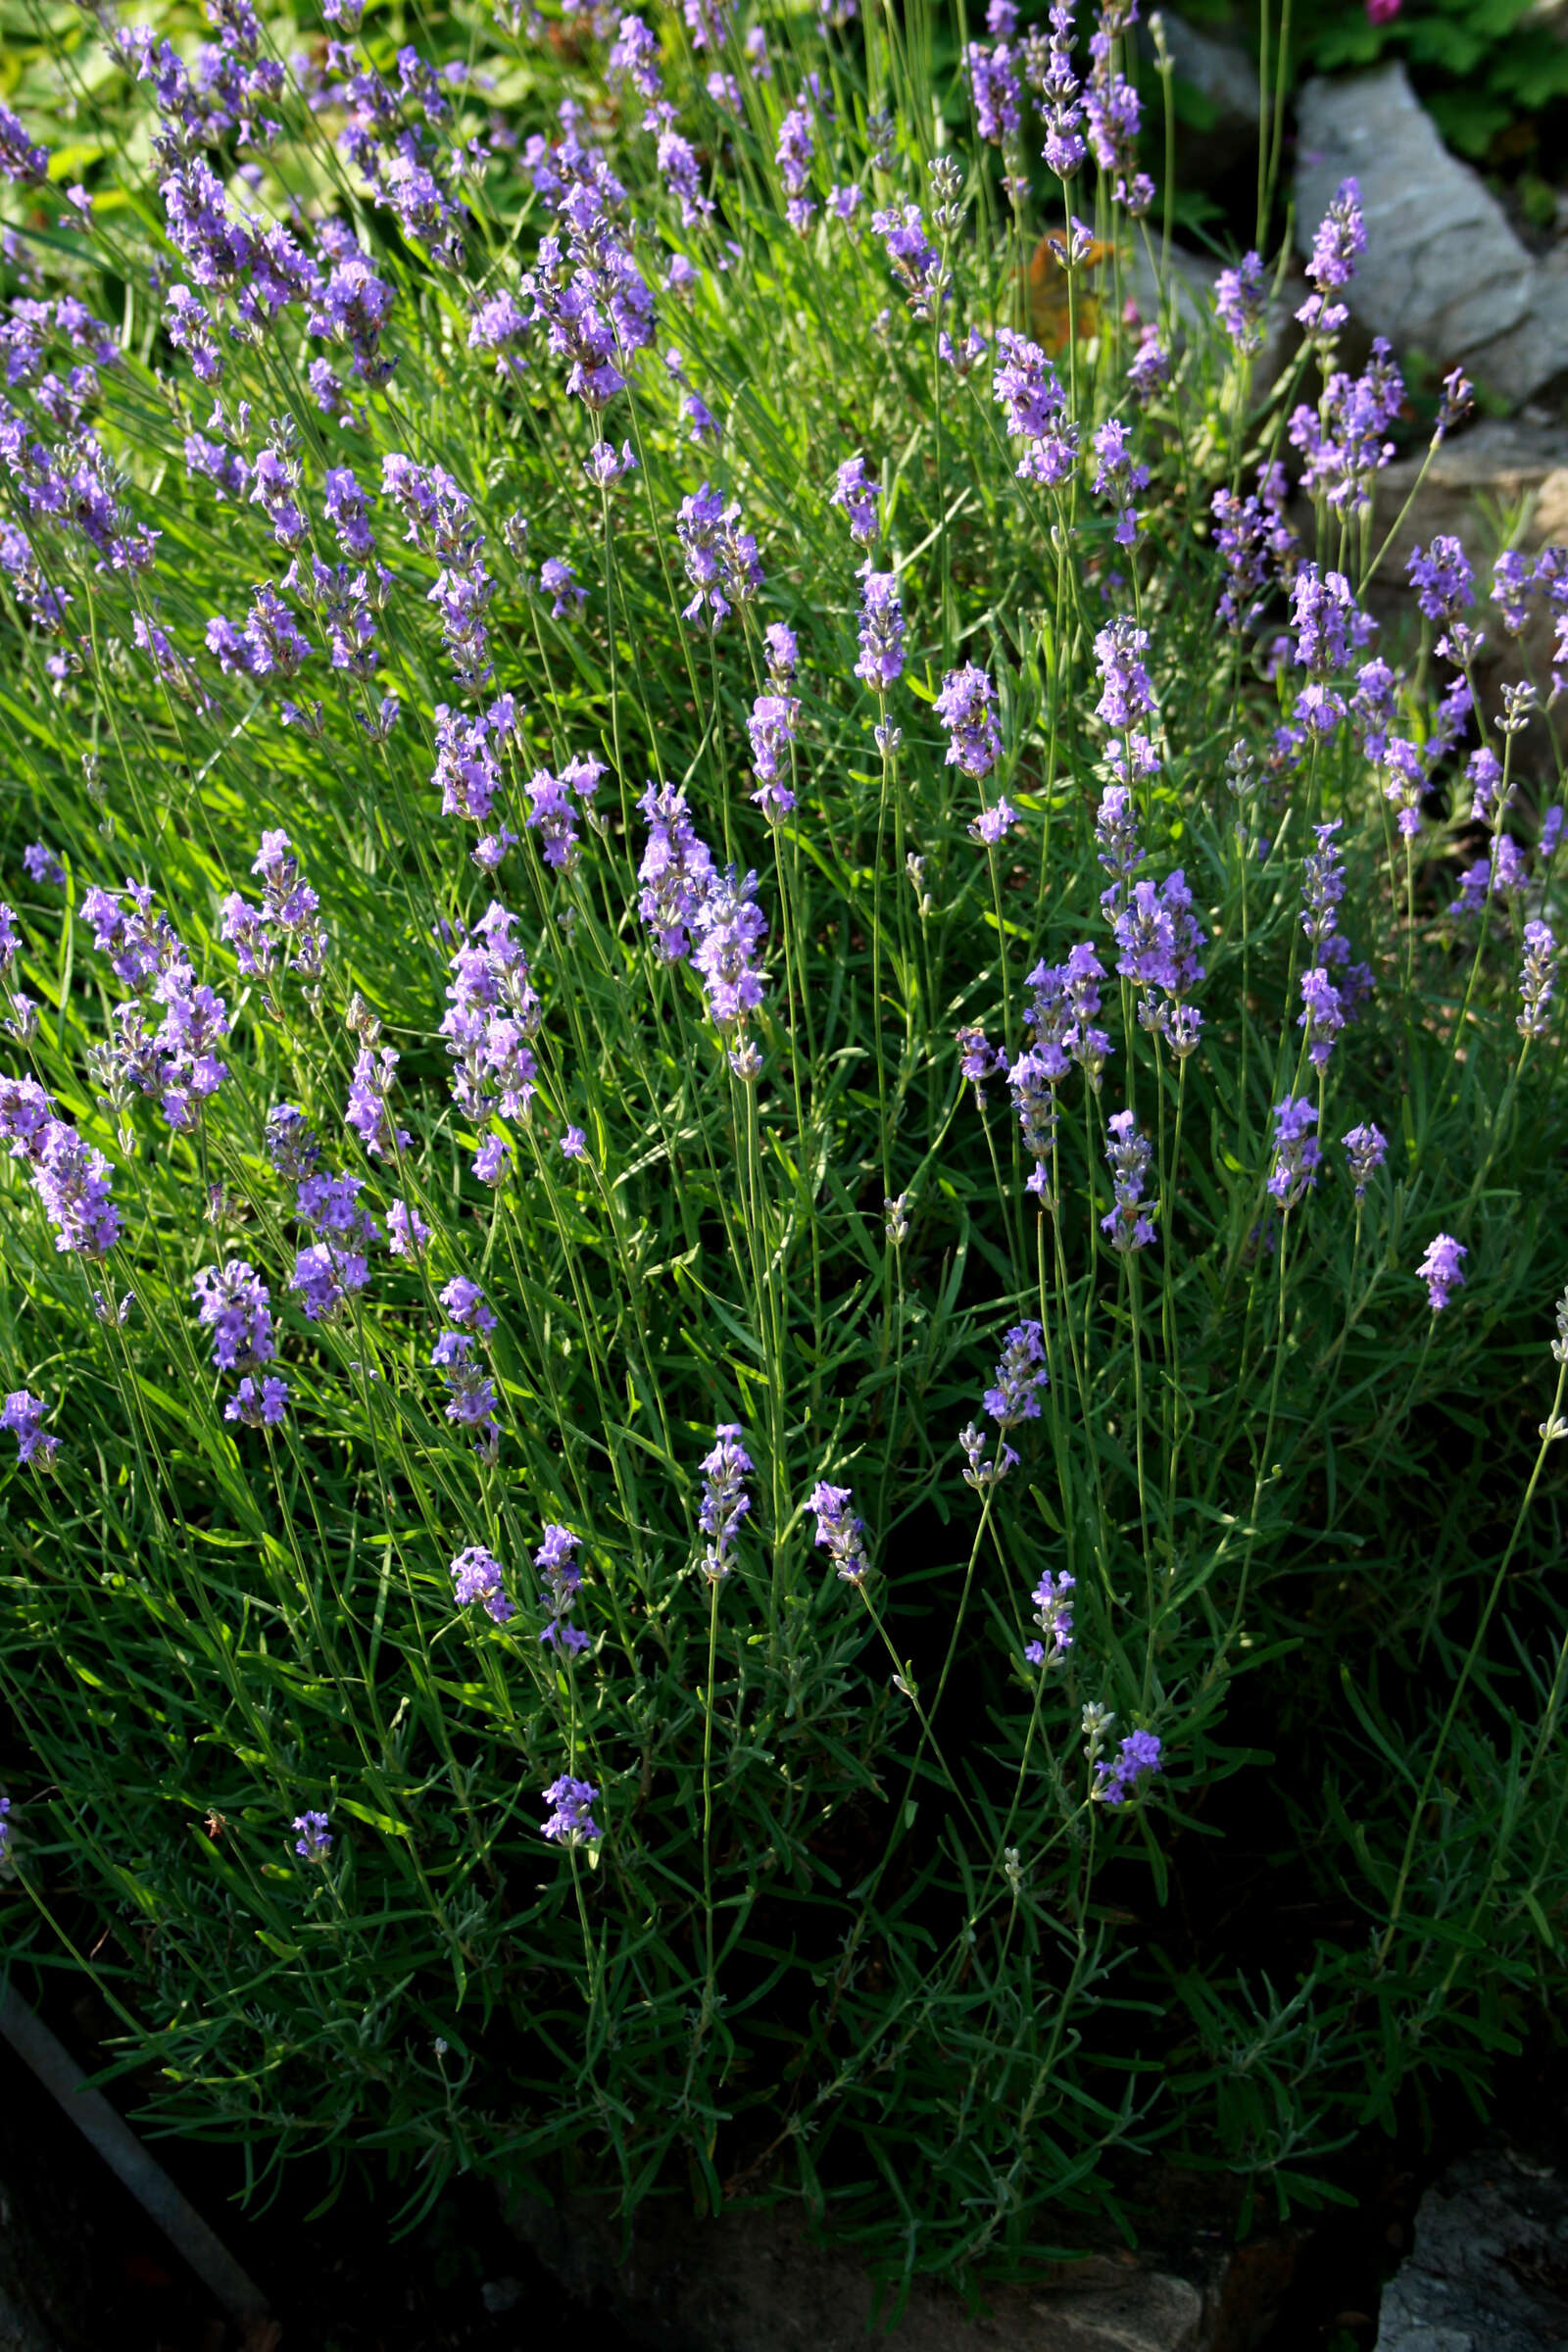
[1382,12]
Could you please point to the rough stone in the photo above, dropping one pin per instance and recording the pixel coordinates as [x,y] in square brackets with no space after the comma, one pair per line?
[1442,272]
[1489,2269]
[754,2281]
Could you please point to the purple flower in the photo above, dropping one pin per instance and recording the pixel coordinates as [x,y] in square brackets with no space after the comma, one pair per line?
[1239,295]
[1127,1226]
[993,825]
[470,1391]
[260,1405]
[1027,389]
[725,1501]
[476,1575]
[71,1180]
[491,1159]
[858,493]
[720,560]
[558,579]
[5,1831]
[1297,1154]
[1339,240]
[563,1581]
[965,707]
[233,1306]
[314,1842]
[772,728]
[290,1146]
[573,1143]
[1053,1600]
[464,1303]
[978,1058]
[1442,577]
[570,1821]
[366,1111]
[676,872]
[783,653]
[1329,623]
[881,663]
[1365,1148]
[23,1415]
[1536,985]
[977,1471]
[1118,1777]
[1322,1015]
[728,938]
[1117,478]
[994,79]
[1020,1376]
[43,866]
[406,1229]
[1341,436]
[1512,576]
[1441,1270]
[915,261]
[839,1533]
[1256,542]
[1149,371]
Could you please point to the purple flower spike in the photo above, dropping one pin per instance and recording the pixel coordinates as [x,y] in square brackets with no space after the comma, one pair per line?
[314,1842]
[476,1575]
[725,1501]
[570,1822]
[1052,1601]
[965,707]
[23,1415]
[1297,1154]
[840,1533]
[1118,1777]
[1442,1269]
[1020,1376]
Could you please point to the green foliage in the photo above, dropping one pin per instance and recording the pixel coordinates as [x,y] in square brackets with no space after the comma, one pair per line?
[858,1928]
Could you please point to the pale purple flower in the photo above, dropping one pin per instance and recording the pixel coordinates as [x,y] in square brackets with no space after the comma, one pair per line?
[676,872]
[979,1472]
[477,1576]
[43,866]
[23,1415]
[1027,388]
[1239,295]
[857,492]
[1053,1600]
[491,1159]
[881,661]
[1296,1154]
[772,728]
[725,1501]
[1365,1148]
[258,1404]
[1339,242]
[964,706]
[570,1821]
[1020,1378]
[839,1531]
[314,1842]
[406,1229]
[1537,984]
[993,825]
[1127,1226]
[1441,1270]
[1118,1778]
[232,1304]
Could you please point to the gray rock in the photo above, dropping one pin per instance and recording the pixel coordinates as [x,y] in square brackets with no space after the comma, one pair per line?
[1442,272]
[1489,2269]
[752,2280]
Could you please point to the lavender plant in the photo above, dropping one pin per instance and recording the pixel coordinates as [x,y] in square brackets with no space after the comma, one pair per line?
[751,1039]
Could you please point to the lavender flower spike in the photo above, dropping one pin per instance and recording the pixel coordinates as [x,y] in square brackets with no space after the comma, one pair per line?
[314,1842]
[1441,1270]
[571,1823]
[1020,1376]
[725,1501]
[1052,1601]
[839,1533]
[23,1415]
